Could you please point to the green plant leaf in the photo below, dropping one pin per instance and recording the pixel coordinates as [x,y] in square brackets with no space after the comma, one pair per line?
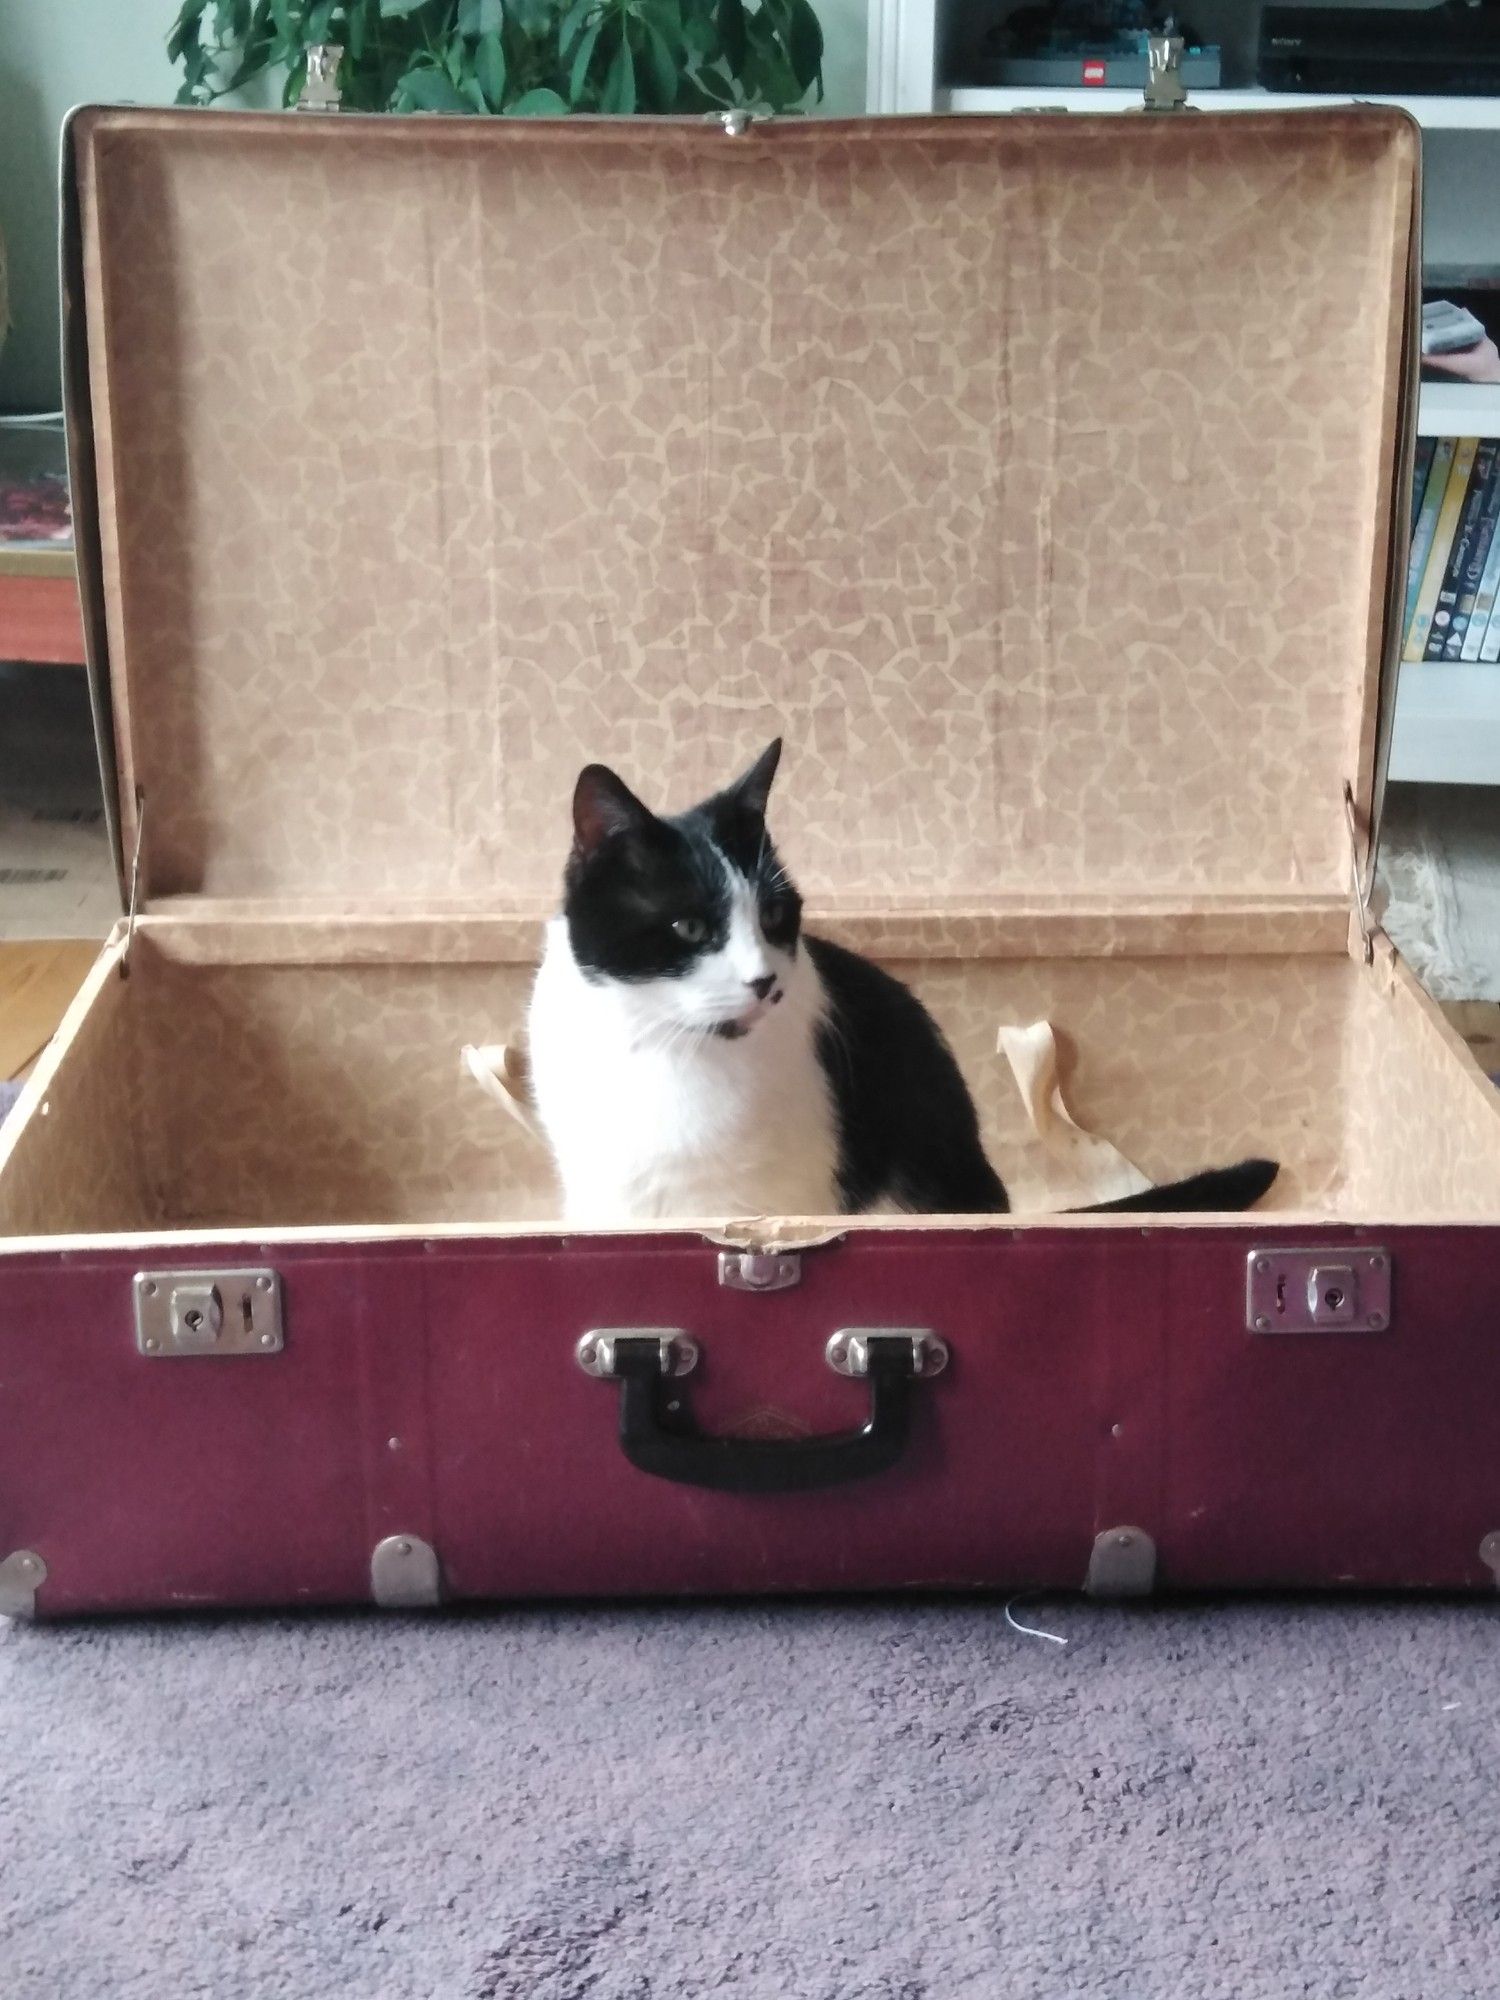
[732,32]
[489,70]
[480,17]
[281,14]
[354,31]
[715,88]
[663,15]
[572,23]
[662,67]
[803,37]
[187,27]
[537,104]
[432,90]
[618,94]
[454,63]
[393,10]
[318,22]
[578,75]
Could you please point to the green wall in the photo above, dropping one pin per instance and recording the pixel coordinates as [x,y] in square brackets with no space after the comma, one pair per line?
[57,53]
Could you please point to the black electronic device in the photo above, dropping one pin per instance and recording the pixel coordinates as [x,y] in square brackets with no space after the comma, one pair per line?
[1447,50]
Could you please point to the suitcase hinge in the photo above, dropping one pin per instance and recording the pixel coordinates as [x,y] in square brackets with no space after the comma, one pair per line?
[321,90]
[21,1577]
[1122,1564]
[135,882]
[1164,88]
[405,1574]
[1359,879]
[759,1270]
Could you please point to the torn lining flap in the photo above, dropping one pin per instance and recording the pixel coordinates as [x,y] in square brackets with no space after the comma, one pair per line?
[1039,1058]
[503,1073]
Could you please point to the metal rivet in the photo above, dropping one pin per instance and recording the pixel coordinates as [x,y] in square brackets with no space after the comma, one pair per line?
[149,1288]
[263,1284]
[1376,1319]
[1117,1430]
[1262,1324]
[403,1548]
[1377,1263]
[393,1444]
[28,1563]
[152,1346]
[1262,1263]
[268,1340]
[1123,1541]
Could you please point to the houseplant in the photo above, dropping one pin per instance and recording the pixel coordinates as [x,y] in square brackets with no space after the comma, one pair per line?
[516,57]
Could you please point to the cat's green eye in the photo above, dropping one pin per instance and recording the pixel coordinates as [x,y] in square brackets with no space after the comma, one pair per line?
[692,930]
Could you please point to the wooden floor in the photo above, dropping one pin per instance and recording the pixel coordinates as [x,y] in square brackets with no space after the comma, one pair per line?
[36,983]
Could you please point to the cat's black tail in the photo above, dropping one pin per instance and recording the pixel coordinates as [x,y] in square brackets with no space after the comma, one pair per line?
[1220,1188]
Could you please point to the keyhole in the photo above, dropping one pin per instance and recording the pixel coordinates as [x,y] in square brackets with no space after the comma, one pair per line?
[247,1312]
[193,1319]
[1333,1298]
[1281,1293]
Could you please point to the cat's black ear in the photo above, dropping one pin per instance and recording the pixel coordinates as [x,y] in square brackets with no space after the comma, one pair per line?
[602,805]
[754,788]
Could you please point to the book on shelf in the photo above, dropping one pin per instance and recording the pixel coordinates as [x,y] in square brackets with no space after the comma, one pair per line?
[1429,485]
[1485,482]
[1435,568]
[1465,533]
[1484,607]
[1489,649]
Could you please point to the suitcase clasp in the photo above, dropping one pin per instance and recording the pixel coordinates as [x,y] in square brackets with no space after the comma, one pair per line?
[207,1312]
[1318,1291]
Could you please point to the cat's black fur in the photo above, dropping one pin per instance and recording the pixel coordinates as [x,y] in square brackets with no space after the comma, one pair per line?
[907,1129]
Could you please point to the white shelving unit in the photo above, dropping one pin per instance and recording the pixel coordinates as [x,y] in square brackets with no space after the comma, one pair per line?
[1434,114]
[1447,724]
[1459,409]
[1447,717]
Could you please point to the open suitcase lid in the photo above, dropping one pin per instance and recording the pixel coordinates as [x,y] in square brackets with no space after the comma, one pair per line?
[1036,477]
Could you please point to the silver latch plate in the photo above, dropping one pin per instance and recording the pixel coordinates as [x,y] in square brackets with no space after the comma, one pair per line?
[759,1270]
[1338,1290]
[207,1312]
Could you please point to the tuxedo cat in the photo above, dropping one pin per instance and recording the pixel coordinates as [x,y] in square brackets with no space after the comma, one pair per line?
[695,1053]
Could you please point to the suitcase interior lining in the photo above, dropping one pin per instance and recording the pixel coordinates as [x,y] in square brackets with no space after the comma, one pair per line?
[196,1095]
[548,442]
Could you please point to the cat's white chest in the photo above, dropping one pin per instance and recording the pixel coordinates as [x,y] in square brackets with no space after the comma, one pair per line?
[647,1124]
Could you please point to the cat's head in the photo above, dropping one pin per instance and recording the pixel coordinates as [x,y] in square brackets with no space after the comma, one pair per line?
[693,917]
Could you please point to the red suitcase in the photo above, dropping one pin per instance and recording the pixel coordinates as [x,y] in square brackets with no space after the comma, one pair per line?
[1039,479]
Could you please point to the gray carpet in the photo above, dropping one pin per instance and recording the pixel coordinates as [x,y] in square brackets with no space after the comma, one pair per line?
[843,1802]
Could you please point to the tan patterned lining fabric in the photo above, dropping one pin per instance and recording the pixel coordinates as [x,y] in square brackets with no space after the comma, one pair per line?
[334,1095]
[1027,473]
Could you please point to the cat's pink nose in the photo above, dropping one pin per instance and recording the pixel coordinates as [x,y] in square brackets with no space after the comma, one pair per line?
[762,986]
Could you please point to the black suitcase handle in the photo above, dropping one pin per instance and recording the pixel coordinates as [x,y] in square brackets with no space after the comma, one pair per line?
[659,1434]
